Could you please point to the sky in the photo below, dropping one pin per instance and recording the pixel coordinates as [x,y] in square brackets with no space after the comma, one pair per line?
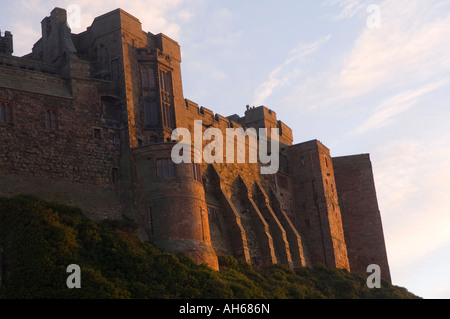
[360,76]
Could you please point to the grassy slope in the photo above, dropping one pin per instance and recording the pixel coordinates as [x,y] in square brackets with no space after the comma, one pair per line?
[41,239]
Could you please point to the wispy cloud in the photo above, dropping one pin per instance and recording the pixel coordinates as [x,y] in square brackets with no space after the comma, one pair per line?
[288,71]
[406,49]
[412,179]
[388,109]
[347,8]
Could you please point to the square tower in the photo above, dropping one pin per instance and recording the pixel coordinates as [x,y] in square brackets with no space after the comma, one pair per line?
[360,214]
[316,210]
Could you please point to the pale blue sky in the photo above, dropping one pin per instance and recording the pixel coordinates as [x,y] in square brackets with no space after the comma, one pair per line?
[331,76]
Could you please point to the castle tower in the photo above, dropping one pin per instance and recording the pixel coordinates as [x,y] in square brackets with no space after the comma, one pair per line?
[6,44]
[265,118]
[170,199]
[316,210]
[360,214]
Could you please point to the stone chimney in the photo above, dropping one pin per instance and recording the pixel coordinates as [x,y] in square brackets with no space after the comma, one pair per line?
[57,45]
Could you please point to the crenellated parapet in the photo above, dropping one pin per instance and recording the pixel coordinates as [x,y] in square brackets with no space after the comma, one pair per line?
[207,116]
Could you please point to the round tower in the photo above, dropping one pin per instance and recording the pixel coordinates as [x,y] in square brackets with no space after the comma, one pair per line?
[170,201]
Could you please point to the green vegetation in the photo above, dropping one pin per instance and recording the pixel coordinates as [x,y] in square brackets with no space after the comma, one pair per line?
[41,239]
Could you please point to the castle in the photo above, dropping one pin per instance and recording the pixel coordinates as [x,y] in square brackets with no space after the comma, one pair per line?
[87,120]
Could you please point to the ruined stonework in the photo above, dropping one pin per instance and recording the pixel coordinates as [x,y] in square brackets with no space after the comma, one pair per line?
[87,120]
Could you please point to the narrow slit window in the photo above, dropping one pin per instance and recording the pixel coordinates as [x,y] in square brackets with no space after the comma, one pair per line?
[2,113]
[51,121]
[53,118]
[197,172]
[97,134]
[113,137]
[5,112]
[166,96]
[115,176]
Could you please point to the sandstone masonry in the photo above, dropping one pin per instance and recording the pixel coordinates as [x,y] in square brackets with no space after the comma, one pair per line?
[87,120]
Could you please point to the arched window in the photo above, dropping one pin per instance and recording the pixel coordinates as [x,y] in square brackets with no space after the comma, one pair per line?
[5,112]
[51,119]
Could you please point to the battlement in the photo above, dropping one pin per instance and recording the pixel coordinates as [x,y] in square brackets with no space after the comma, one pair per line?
[206,115]
[6,43]
[263,117]
[258,117]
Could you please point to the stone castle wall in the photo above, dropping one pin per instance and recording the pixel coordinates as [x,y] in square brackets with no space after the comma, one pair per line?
[360,214]
[61,161]
[91,125]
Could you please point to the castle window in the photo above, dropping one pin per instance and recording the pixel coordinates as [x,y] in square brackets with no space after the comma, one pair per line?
[97,134]
[113,137]
[51,119]
[5,112]
[168,115]
[165,85]
[165,168]
[197,172]
[201,220]
[166,92]
[147,77]
[151,117]
[115,176]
